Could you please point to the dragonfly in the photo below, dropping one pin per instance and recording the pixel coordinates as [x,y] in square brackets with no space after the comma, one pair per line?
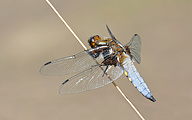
[103,63]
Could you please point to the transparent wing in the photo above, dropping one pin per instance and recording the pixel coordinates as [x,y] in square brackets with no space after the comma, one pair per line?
[71,64]
[134,46]
[89,79]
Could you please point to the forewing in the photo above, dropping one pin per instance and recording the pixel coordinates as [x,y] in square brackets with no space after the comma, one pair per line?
[134,46]
[71,64]
[89,79]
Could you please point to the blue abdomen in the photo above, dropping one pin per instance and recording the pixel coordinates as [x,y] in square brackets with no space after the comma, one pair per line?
[133,75]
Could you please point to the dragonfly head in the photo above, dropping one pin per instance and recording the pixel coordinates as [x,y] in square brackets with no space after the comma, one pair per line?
[92,40]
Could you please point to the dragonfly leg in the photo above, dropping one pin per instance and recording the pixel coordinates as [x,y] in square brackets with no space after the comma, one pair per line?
[105,70]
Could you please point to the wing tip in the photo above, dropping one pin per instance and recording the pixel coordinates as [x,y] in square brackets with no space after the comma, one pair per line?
[65,81]
[47,63]
[61,87]
[42,68]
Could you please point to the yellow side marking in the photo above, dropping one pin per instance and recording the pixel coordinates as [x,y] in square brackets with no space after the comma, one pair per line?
[126,74]
[129,79]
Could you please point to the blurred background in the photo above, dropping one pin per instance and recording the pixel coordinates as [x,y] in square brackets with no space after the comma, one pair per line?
[31,34]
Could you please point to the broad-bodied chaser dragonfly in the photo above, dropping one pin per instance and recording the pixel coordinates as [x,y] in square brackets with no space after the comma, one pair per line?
[105,62]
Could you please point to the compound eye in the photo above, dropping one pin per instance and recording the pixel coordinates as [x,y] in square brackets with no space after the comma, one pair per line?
[93,39]
[91,42]
[97,37]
